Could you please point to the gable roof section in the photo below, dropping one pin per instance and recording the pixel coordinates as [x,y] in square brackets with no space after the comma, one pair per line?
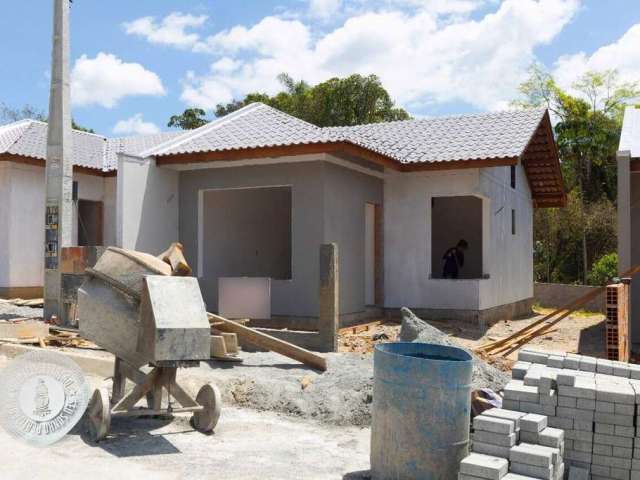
[28,139]
[630,135]
[463,141]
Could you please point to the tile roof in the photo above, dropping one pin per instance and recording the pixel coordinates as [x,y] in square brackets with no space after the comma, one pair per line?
[462,137]
[28,138]
[630,135]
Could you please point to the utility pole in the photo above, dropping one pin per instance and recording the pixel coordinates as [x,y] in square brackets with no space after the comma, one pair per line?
[59,169]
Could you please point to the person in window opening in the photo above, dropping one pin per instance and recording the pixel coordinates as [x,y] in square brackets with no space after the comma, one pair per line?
[454,259]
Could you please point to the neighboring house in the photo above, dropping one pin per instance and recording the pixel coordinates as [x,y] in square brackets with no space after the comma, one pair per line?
[255,194]
[629,208]
[23,147]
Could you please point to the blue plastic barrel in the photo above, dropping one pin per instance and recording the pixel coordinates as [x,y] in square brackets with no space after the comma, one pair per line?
[421,408]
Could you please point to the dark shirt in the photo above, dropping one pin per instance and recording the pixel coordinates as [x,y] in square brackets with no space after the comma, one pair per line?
[453,259]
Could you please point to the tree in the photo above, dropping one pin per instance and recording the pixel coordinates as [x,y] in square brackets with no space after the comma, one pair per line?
[9,114]
[353,100]
[190,119]
[587,132]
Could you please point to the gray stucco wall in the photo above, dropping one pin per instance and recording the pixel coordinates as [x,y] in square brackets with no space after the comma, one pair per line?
[346,194]
[556,295]
[298,296]
[327,205]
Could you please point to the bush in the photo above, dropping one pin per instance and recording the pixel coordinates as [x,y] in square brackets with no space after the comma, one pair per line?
[604,269]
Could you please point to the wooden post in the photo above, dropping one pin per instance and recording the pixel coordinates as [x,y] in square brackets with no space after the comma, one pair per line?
[329,297]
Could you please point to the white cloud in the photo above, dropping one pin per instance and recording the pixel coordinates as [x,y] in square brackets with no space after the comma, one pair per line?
[324,9]
[623,55]
[106,79]
[135,126]
[171,30]
[418,58]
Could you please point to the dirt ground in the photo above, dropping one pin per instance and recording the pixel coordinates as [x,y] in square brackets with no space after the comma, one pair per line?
[582,332]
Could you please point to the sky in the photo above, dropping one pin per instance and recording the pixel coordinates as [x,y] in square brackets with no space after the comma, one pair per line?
[136,63]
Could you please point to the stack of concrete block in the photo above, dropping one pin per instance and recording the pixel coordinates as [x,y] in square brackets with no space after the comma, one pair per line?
[596,404]
[496,435]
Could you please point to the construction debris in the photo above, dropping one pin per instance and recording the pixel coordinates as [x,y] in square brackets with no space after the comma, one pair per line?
[416,330]
[23,328]
[19,302]
[174,256]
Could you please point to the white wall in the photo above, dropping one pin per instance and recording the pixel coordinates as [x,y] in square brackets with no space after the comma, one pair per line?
[510,257]
[22,193]
[143,187]
[407,240]
[109,236]
[507,259]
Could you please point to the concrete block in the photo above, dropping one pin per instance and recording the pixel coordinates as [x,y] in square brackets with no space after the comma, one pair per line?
[604,366]
[624,431]
[635,462]
[583,388]
[600,470]
[584,435]
[560,422]
[621,369]
[533,423]
[499,439]
[572,361]
[538,408]
[634,371]
[585,403]
[624,409]
[462,476]
[511,404]
[551,437]
[583,425]
[558,471]
[570,402]
[622,452]
[613,440]
[615,462]
[616,394]
[556,457]
[533,356]
[575,413]
[484,466]
[599,449]
[505,414]
[605,407]
[529,437]
[517,390]
[577,473]
[619,473]
[492,450]
[515,476]
[582,446]
[588,364]
[555,361]
[613,419]
[604,428]
[566,378]
[545,473]
[529,455]
[532,377]
[519,370]
[493,424]
[575,456]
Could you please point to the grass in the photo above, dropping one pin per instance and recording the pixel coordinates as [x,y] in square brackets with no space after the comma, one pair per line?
[577,314]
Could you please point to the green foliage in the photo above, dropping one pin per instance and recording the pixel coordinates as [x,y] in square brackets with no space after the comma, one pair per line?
[190,119]
[604,269]
[76,126]
[587,131]
[10,114]
[353,100]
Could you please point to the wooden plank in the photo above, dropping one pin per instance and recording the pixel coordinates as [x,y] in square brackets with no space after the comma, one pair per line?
[360,328]
[263,340]
[174,256]
[24,329]
[563,311]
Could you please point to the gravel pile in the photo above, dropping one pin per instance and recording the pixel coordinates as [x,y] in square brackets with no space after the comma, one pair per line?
[9,312]
[416,330]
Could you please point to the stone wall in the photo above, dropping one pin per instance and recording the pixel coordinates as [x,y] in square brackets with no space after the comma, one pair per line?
[555,295]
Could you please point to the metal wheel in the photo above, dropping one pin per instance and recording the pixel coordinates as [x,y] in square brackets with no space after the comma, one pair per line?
[99,414]
[206,420]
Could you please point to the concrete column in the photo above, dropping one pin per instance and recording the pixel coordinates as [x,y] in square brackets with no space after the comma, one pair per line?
[329,297]
[59,169]
[624,211]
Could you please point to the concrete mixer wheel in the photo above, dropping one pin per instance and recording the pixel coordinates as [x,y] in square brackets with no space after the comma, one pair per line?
[206,420]
[99,414]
